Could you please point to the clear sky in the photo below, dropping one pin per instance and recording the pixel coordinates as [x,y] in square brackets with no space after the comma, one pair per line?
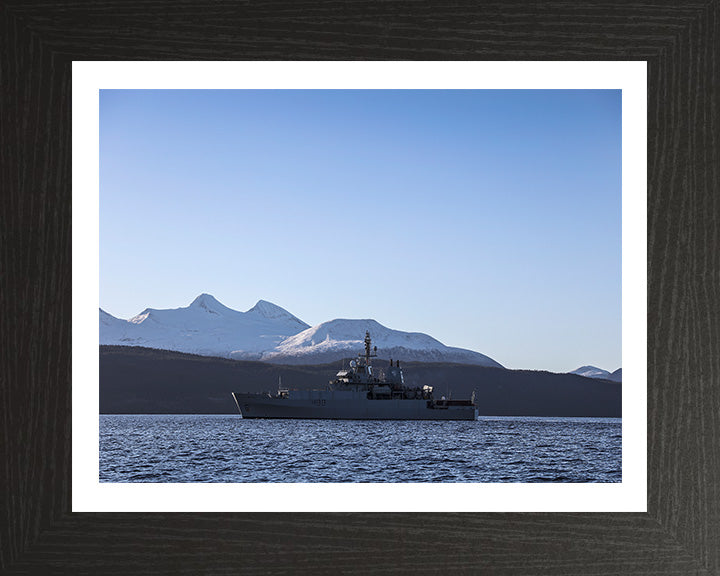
[489,219]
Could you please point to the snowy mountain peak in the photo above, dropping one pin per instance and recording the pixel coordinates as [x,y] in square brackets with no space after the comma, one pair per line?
[351,332]
[209,303]
[205,327]
[270,333]
[342,338]
[591,372]
[271,311]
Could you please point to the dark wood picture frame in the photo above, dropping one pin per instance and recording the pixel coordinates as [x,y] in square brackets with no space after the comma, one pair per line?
[680,533]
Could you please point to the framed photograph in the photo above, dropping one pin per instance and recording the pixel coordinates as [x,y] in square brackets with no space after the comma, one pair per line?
[659,517]
[485,186]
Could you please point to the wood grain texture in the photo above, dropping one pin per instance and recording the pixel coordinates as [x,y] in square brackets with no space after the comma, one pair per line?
[681,532]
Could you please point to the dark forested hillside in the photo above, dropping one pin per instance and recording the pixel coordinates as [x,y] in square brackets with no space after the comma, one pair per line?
[141,380]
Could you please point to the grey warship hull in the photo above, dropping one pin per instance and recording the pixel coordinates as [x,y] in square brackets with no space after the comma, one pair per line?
[358,394]
[330,405]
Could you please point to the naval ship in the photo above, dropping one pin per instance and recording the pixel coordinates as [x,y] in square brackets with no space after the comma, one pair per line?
[358,394]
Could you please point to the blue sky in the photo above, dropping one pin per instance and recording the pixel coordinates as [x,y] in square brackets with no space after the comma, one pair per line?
[490,220]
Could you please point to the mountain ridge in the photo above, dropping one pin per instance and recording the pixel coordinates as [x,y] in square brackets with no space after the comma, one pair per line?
[270,333]
[589,371]
[325,341]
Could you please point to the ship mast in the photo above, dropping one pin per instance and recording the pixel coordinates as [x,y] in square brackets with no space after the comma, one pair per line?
[368,355]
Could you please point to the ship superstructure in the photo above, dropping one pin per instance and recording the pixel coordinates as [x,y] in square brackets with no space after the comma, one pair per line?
[358,393]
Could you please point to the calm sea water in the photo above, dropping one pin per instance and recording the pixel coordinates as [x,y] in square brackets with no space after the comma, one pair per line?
[224,448]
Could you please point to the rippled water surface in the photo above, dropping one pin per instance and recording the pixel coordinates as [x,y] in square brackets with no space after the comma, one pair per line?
[223,448]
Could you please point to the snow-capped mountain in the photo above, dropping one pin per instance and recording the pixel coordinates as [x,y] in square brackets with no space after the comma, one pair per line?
[591,372]
[270,333]
[343,338]
[205,327]
[594,372]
